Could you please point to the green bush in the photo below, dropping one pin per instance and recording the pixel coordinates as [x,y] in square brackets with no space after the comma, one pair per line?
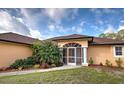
[118,62]
[29,61]
[24,63]
[58,64]
[91,61]
[18,63]
[108,63]
[27,66]
[47,52]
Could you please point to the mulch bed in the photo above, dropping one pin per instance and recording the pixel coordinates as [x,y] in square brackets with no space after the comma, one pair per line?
[106,68]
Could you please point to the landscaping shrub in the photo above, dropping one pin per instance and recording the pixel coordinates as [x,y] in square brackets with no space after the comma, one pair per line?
[101,64]
[18,63]
[45,65]
[108,63]
[58,64]
[36,47]
[47,52]
[20,68]
[91,61]
[5,68]
[37,66]
[53,65]
[23,63]
[29,61]
[118,62]
[27,66]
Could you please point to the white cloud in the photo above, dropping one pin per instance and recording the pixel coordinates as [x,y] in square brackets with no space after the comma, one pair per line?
[51,27]
[109,29]
[58,27]
[35,34]
[122,21]
[31,20]
[20,19]
[10,23]
[120,27]
[55,14]
[79,29]
[73,28]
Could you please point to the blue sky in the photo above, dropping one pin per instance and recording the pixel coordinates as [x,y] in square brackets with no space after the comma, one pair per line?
[45,23]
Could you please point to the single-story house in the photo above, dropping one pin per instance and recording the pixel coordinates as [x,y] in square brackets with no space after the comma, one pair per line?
[77,49]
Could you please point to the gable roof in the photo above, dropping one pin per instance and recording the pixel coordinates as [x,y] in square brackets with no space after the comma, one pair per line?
[93,40]
[73,36]
[16,38]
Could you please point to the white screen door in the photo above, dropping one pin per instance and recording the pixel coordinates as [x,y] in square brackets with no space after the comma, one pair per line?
[71,56]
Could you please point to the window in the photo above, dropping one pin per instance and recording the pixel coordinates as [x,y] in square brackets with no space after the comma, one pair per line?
[72,45]
[118,51]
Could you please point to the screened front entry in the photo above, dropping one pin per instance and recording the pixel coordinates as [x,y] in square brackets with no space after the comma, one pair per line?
[73,54]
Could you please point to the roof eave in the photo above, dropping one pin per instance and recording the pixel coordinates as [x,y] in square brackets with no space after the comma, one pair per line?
[72,38]
[107,44]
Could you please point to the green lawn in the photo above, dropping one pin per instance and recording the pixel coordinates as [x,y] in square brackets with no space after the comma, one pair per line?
[83,75]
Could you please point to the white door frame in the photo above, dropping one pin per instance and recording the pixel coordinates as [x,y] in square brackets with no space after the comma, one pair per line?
[85,63]
[68,63]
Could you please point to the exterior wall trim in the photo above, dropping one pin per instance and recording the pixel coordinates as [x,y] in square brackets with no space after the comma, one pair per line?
[85,63]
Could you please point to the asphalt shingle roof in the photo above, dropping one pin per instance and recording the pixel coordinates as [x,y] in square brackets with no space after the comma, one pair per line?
[13,37]
[94,40]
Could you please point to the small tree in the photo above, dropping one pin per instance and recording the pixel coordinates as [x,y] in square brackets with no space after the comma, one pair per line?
[91,61]
[118,62]
[47,52]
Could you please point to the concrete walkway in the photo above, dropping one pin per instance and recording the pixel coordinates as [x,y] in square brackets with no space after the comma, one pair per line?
[37,70]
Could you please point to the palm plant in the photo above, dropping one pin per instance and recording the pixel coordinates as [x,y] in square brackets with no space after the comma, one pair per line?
[36,47]
[47,52]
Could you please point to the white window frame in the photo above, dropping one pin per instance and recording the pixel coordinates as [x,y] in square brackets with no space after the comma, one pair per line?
[115,51]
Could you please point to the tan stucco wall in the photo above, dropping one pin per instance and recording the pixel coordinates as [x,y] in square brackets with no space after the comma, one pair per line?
[9,52]
[63,42]
[101,53]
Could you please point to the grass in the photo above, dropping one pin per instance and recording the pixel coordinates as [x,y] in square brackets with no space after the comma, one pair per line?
[83,75]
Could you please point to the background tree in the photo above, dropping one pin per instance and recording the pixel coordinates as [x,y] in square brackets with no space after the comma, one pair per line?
[119,35]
